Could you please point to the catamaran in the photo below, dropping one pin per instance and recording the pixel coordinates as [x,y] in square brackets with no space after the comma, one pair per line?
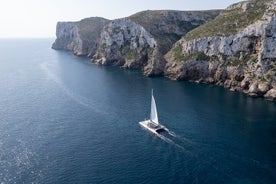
[153,124]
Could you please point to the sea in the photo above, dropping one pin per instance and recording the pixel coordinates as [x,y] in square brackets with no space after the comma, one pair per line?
[66,120]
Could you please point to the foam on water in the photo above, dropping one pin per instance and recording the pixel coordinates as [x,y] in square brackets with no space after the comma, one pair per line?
[63,120]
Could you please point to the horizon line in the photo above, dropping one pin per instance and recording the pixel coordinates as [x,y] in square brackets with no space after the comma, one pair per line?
[42,37]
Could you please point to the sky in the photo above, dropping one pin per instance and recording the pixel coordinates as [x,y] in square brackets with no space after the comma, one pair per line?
[38,18]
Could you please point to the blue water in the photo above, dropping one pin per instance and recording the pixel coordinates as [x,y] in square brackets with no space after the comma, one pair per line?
[65,120]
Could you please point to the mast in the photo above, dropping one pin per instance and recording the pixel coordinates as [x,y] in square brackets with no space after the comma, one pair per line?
[153,112]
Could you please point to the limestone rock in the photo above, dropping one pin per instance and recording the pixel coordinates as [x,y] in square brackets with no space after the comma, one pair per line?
[235,49]
[135,42]
[125,43]
[253,89]
[271,94]
[244,55]
[168,26]
[263,87]
[79,37]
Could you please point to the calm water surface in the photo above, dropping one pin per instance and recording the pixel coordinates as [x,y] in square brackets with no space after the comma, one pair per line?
[65,120]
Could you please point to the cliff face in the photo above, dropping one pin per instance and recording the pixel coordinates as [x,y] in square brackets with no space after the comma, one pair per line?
[236,50]
[139,41]
[168,26]
[126,43]
[79,37]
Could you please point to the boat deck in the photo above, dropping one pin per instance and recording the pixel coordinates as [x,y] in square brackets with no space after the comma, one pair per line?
[154,128]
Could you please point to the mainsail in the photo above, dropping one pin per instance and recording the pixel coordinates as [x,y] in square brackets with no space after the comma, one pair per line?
[153,112]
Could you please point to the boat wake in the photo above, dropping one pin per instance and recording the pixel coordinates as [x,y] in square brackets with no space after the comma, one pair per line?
[171,132]
[161,131]
[175,140]
[170,141]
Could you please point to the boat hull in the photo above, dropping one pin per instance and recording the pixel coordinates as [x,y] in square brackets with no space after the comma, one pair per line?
[146,124]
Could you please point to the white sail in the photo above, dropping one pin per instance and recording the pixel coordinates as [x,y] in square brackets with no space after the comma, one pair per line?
[152,124]
[153,112]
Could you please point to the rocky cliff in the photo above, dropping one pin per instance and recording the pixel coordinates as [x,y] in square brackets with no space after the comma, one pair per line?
[79,37]
[167,27]
[236,50]
[139,41]
[126,43]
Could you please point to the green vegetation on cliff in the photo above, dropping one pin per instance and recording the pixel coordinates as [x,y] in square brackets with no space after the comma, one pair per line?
[168,26]
[271,72]
[176,55]
[90,28]
[230,21]
[130,54]
[242,62]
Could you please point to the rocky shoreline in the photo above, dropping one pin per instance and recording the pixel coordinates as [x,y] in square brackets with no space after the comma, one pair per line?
[243,60]
[186,45]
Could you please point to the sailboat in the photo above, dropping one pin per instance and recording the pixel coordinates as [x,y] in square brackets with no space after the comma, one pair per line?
[153,124]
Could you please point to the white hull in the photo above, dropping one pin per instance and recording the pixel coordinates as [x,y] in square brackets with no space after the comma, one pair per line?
[155,130]
[153,124]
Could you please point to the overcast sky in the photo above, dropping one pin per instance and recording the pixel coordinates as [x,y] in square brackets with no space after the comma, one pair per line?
[38,18]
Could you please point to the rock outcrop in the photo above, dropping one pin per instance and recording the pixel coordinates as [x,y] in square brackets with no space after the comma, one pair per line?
[136,42]
[79,37]
[167,27]
[236,50]
[126,43]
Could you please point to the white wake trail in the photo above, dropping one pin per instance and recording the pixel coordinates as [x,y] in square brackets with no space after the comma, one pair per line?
[177,137]
[171,133]
[169,141]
